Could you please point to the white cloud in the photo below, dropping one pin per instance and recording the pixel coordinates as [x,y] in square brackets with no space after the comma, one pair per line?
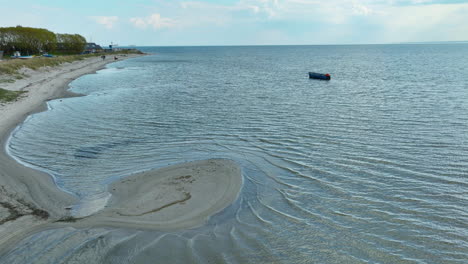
[331,11]
[359,9]
[155,21]
[201,14]
[269,8]
[340,21]
[435,22]
[106,21]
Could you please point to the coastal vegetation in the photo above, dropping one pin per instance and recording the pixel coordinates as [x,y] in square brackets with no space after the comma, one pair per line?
[72,43]
[8,96]
[11,67]
[15,207]
[10,70]
[37,41]
[29,41]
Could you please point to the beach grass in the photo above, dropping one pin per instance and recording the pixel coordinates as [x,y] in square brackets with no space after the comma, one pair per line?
[8,96]
[12,66]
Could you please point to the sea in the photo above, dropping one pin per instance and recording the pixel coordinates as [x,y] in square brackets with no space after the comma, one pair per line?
[369,167]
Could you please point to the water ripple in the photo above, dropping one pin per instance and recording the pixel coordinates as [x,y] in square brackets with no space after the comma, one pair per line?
[367,168]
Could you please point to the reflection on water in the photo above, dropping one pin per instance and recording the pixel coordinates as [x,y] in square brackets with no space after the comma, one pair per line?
[369,167]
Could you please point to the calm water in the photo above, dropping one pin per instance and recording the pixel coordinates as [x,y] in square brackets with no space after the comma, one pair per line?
[371,167]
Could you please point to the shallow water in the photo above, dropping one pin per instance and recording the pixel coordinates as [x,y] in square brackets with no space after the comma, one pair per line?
[371,167]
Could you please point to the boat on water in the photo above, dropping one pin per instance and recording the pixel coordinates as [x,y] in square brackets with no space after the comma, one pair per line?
[319,76]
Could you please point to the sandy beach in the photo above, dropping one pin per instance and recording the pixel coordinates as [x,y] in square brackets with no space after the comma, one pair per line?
[179,196]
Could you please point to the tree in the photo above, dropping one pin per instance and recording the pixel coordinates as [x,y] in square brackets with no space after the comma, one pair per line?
[26,40]
[29,40]
[71,43]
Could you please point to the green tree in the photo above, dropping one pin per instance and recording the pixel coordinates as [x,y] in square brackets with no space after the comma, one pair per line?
[26,40]
[71,43]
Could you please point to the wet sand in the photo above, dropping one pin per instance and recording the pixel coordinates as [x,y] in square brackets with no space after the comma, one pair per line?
[179,196]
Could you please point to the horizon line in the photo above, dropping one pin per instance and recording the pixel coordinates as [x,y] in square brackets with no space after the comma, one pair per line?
[344,44]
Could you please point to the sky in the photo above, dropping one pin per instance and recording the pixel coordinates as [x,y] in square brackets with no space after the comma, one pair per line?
[244,22]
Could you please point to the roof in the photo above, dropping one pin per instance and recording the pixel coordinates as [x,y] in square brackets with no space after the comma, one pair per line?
[92,45]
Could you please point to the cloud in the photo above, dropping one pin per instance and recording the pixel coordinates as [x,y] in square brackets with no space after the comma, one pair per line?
[197,14]
[268,8]
[304,21]
[332,11]
[426,22]
[359,9]
[106,21]
[155,21]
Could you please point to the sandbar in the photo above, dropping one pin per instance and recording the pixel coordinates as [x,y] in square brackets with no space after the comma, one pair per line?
[179,196]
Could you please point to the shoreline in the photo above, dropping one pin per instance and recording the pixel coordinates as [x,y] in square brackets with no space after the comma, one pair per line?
[22,188]
[179,196]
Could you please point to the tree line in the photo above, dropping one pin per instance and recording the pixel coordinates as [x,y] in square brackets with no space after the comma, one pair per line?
[28,40]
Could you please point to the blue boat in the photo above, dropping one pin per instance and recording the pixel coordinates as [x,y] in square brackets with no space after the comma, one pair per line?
[22,57]
[319,76]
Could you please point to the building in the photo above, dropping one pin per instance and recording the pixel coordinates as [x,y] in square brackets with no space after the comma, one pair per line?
[92,48]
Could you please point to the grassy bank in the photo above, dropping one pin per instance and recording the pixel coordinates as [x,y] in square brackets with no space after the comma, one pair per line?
[8,96]
[10,69]
[11,66]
